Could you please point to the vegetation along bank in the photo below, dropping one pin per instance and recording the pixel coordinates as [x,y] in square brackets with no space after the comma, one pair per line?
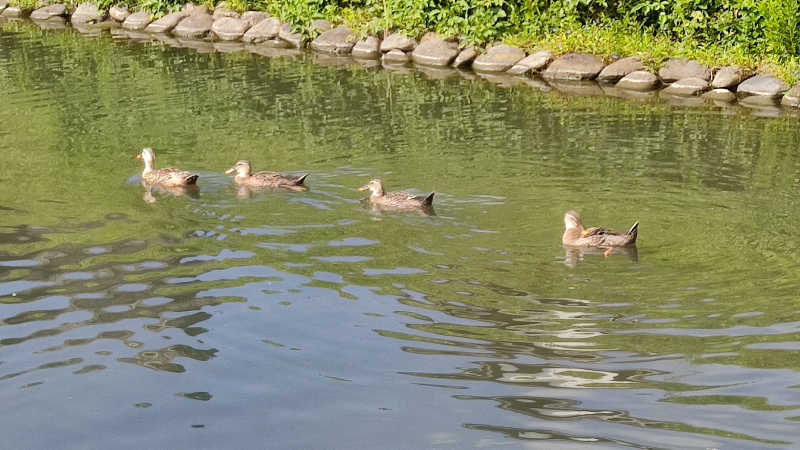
[723,50]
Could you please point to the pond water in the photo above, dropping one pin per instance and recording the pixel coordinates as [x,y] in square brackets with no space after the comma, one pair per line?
[131,319]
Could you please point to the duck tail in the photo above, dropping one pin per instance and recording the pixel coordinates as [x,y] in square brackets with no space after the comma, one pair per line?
[300,180]
[192,179]
[429,199]
[633,232]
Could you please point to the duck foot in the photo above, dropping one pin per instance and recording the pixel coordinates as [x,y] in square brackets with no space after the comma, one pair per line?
[608,253]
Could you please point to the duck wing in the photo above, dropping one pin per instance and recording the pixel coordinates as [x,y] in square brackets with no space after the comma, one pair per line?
[407,198]
[606,238]
[276,179]
[171,177]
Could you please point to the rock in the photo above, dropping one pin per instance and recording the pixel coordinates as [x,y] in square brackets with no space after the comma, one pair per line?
[762,85]
[191,9]
[195,26]
[639,80]
[119,13]
[166,23]
[574,66]
[679,68]
[3,5]
[136,21]
[720,94]
[729,77]
[687,87]
[254,17]
[338,41]
[792,97]
[53,23]
[533,62]
[397,41]
[263,31]
[229,28]
[435,52]
[618,70]
[498,59]
[86,13]
[49,11]
[320,25]
[395,56]
[12,11]
[369,48]
[294,39]
[225,12]
[465,57]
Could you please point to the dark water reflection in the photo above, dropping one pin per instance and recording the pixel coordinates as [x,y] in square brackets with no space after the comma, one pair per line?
[141,319]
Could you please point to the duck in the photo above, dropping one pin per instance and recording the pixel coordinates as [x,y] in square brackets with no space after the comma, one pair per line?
[169,177]
[577,236]
[396,200]
[245,177]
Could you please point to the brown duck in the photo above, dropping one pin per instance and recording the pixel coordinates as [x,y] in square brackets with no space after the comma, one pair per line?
[397,200]
[169,177]
[245,177]
[577,236]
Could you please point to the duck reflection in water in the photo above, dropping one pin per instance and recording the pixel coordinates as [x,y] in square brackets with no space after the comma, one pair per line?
[574,255]
[381,201]
[152,192]
[579,241]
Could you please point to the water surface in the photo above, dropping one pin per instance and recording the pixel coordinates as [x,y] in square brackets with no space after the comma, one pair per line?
[131,319]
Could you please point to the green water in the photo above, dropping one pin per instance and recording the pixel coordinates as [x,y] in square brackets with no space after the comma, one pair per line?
[306,320]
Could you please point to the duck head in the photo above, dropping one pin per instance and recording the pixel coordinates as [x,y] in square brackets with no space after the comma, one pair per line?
[375,187]
[241,169]
[148,157]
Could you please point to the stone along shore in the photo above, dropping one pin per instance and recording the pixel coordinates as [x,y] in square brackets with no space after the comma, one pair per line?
[679,81]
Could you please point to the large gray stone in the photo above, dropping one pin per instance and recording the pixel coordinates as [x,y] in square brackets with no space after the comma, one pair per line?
[574,66]
[687,87]
[293,38]
[254,17]
[86,13]
[792,97]
[397,41]
[338,41]
[320,25]
[465,57]
[49,11]
[193,9]
[395,56]
[498,59]
[369,48]
[136,21]
[3,5]
[194,26]
[533,62]
[762,85]
[619,69]
[225,12]
[679,68]
[229,28]
[166,23]
[12,11]
[435,52]
[119,13]
[639,80]
[720,95]
[263,31]
[728,77]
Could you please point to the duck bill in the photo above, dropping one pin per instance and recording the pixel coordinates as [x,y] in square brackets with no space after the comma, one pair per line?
[364,188]
[584,233]
[139,156]
[230,171]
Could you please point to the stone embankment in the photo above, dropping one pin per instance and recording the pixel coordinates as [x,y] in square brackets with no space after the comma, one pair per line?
[195,25]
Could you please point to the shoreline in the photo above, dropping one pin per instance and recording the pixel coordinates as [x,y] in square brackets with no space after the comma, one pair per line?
[678,81]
